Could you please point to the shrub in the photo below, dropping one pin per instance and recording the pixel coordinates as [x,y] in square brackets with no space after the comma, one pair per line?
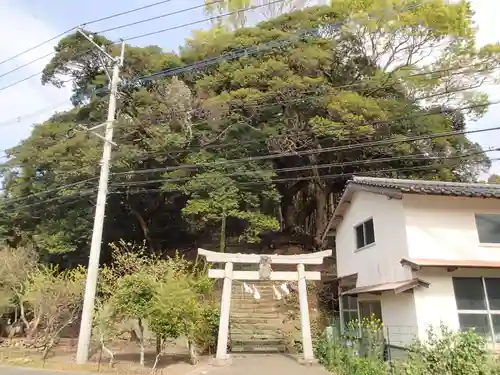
[358,351]
[446,352]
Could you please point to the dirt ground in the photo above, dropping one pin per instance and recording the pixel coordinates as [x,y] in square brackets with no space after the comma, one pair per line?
[175,360]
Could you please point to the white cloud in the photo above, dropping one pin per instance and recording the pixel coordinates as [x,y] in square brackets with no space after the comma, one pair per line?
[20,30]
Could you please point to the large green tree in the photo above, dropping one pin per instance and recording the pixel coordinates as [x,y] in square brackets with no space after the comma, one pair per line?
[176,179]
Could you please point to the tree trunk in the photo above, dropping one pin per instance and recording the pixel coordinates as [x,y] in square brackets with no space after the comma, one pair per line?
[222,245]
[145,229]
[141,341]
[321,197]
[288,209]
[288,212]
[158,344]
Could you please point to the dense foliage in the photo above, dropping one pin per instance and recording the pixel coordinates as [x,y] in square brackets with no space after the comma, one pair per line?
[176,179]
[443,351]
[138,294]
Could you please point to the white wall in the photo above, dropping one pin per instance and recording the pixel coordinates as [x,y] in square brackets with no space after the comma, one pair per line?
[379,262]
[445,227]
[436,304]
[398,315]
[400,318]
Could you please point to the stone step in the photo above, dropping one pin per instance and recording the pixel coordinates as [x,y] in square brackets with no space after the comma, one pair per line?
[257,337]
[247,311]
[252,347]
[257,321]
[243,312]
[256,318]
[257,302]
[256,334]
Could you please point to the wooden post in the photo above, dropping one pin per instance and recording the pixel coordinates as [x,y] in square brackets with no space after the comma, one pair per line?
[307,346]
[225,306]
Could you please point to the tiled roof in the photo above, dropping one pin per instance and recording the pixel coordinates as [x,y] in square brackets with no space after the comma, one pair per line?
[430,187]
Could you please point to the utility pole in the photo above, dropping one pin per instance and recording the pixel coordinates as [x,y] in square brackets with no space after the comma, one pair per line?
[95,247]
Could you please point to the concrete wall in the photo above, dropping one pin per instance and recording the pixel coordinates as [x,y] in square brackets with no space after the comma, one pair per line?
[379,262]
[445,227]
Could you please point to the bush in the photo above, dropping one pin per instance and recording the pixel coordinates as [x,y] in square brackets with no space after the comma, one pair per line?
[446,352]
[172,295]
[358,351]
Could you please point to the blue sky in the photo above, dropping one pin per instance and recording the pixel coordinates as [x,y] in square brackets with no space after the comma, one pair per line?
[28,22]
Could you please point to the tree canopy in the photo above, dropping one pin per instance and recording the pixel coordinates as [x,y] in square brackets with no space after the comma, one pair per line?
[256,142]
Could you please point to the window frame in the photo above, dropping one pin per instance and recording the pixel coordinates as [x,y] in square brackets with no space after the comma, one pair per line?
[363,225]
[487,311]
[370,303]
[346,309]
[486,244]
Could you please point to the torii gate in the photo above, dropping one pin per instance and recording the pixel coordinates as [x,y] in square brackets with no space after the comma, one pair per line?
[264,273]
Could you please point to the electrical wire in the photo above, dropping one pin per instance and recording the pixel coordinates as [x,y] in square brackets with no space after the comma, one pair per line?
[118,27]
[245,51]
[211,61]
[264,157]
[385,142]
[323,177]
[180,11]
[248,105]
[390,141]
[421,156]
[59,188]
[387,122]
[84,193]
[433,73]
[75,27]
[202,21]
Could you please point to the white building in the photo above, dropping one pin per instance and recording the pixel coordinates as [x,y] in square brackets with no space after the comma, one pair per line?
[419,253]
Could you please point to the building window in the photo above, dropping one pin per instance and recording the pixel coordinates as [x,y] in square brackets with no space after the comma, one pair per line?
[365,234]
[349,309]
[370,309]
[478,305]
[488,228]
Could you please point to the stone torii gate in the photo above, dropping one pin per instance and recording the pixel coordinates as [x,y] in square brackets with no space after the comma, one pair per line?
[264,273]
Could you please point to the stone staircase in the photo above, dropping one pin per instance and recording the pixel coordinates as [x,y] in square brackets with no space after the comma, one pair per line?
[256,325]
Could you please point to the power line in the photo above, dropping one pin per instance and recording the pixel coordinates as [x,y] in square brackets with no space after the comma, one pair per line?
[420,156]
[36,46]
[202,21]
[390,141]
[74,28]
[292,179]
[27,64]
[394,140]
[230,56]
[16,120]
[83,193]
[184,10]
[135,37]
[248,50]
[378,122]
[126,12]
[59,188]
[300,99]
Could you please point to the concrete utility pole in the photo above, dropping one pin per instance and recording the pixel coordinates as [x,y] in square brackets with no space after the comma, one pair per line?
[95,247]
